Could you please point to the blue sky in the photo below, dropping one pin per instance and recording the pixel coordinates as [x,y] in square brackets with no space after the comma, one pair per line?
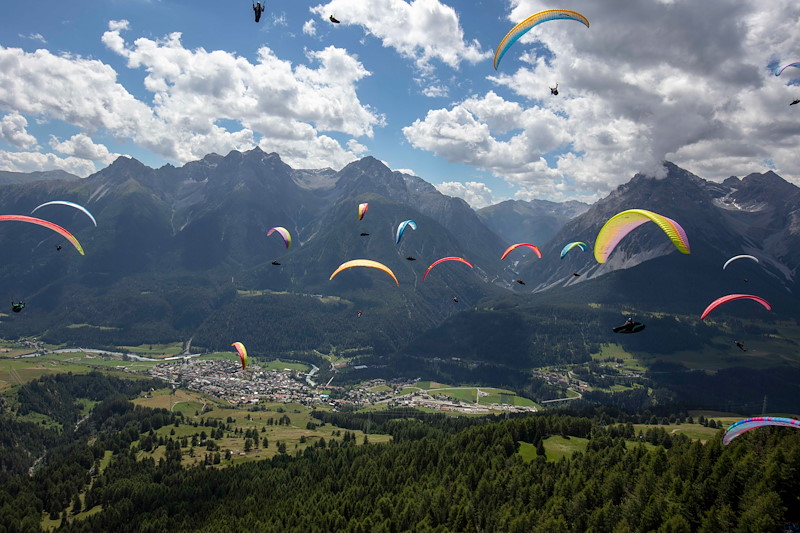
[410,83]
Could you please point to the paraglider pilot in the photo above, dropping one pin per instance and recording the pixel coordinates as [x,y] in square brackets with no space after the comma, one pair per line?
[333,19]
[17,306]
[258,8]
[740,344]
[795,101]
[554,90]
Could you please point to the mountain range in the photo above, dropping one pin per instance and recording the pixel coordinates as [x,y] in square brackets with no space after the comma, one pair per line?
[182,253]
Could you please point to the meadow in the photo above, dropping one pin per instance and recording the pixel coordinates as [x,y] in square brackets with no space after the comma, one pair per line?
[299,432]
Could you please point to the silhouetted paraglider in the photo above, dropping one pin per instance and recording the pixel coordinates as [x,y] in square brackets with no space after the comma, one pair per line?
[365,234]
[554,90]
[455,299]
[795,101]
[358,314]
[333,19]
[409,258]
[276,263]
[576,274]
[740,345]
[258,9]
[521,282]
[58,248]
[629,327]
[17,306]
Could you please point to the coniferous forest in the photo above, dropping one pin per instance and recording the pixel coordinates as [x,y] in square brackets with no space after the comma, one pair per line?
[438,474]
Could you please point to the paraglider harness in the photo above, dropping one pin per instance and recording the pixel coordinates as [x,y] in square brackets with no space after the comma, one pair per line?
[17,306]
[258,8]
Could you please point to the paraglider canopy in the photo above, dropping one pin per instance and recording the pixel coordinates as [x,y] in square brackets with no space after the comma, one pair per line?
[70,204]
[623,223]
[570,246]
[731,297]
[364,263]
[401,228]
[284,233]
[242,353]
[736,429]
[515,246]
[443,259]
[55,227]
[781,68]
[734,258]
[537,18]
[362,210]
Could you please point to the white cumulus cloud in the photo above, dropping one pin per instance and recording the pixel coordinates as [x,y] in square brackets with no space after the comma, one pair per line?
[421,30]
[13,129]
[693,85]
[36,161]
[82,146]
[476,194]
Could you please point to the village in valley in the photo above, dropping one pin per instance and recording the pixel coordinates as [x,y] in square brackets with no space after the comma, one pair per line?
[225,379]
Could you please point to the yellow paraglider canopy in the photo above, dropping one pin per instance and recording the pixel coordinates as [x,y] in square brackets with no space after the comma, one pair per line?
[364,263]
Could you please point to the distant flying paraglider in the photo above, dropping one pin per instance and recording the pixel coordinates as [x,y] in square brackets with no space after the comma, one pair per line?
[629,327]
[537,18]
[731,297]
[443,259]
[362,210]
[795,101]
[333,19]
[58,248]
[455,299]
[284,233]
[576,274]
[742,426]
[570,246]
[554,90]
[401,228]
[17,306]
[734,258]
[55,227]
[521,282]
[358,314]
[276,263]
[410,258]
[242,353]
[740,345]
[70,204]
[258,9]
[623,223]
[364,234]
[515,246]
[364,263]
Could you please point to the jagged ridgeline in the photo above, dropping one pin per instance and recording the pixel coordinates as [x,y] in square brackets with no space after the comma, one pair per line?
[183,253]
